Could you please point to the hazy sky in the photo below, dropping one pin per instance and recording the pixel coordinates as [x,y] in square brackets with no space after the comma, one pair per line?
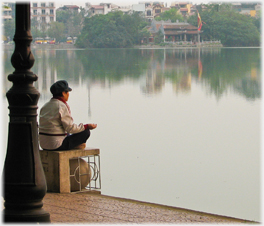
[60,3]
[117,2]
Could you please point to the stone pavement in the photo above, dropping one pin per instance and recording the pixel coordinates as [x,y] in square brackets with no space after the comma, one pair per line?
[85,208]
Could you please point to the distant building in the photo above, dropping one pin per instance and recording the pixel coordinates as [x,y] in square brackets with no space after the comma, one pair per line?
[152,9]
[139,8]
[183,7]
[96,9]
[149,13]
[124,9]
[174,31]
[247,8]
[103,8]
[42,12]
[149,3]
[158,9]
[193,10]
[72,8]
[6,12]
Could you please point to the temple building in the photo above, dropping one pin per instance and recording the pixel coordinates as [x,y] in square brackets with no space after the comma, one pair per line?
[174,32]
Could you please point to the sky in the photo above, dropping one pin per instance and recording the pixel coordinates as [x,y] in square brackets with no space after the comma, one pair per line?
[60,3]
[116,2]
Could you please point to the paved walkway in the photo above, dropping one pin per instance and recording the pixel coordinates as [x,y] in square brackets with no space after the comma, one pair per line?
[84,208]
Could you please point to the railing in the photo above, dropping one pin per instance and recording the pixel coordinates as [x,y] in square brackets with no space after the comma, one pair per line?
[208,42]
[190,43]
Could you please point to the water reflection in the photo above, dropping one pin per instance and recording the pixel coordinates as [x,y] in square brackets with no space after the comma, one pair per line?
[218,70]
[178,127]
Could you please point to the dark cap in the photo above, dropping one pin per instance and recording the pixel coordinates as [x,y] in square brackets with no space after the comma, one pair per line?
[60,86]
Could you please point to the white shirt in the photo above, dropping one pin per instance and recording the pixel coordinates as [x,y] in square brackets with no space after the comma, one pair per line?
[55,119]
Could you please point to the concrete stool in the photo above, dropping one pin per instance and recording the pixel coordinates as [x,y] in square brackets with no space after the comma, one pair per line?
[72,170]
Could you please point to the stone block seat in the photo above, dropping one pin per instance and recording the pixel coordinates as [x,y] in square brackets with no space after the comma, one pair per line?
[76,170]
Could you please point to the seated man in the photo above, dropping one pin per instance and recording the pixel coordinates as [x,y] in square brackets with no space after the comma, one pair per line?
[56,128]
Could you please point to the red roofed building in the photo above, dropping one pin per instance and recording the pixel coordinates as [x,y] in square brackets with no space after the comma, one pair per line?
[174,31]
[184,11]
[183,7]
[73,8]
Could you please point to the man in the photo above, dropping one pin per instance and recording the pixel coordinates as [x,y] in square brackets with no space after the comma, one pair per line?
[57,131]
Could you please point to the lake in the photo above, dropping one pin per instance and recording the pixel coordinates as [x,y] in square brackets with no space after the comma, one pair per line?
[178,127]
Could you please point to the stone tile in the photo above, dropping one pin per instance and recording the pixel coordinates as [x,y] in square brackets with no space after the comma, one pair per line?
[83,208]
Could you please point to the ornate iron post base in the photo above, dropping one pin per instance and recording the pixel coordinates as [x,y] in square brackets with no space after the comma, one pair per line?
[24,180]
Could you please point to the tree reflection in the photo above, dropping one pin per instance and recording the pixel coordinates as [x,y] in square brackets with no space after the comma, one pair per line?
[230,69]
[217,70]
[114,64]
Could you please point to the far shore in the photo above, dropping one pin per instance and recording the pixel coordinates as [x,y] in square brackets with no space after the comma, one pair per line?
[72,46]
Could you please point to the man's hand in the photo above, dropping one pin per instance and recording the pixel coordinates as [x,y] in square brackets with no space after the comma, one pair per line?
[92,126]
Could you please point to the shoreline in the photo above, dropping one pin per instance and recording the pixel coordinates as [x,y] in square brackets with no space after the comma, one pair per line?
[72,46]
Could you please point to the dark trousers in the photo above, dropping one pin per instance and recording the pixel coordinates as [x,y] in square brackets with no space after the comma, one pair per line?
[73,140]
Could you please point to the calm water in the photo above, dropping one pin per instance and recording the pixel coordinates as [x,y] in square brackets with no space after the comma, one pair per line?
[175,127]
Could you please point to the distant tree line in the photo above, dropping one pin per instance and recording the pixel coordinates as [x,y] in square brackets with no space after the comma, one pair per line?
[113,30]
[118,30]
[221,22]
[9,29]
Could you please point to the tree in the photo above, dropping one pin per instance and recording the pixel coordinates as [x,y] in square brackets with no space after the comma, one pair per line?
[73,21]
[136,23]
[144,33]
[114,30]
[9,29]
[113,36]
[63,16]
[56,30]
[235,29]
[223,23]
[171,14]
[257,21]
[159,38]
[34,28]
[43,30]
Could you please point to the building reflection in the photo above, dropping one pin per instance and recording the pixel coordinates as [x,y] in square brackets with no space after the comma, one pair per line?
[47,74]
[154,78]
[177,66]
[154,69]
[250,85]
[184,85]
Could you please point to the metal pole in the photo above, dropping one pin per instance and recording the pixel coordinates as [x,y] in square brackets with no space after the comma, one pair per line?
[24,180]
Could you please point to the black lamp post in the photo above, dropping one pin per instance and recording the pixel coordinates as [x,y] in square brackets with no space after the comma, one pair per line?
[24,180]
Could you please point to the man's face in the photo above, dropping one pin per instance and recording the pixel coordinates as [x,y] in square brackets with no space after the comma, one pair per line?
[65,95]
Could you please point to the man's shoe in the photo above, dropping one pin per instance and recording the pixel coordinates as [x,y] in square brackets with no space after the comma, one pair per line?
[81,146]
